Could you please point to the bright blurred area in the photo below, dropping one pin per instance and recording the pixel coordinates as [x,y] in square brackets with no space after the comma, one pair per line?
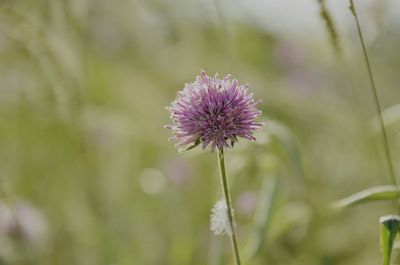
[87,175]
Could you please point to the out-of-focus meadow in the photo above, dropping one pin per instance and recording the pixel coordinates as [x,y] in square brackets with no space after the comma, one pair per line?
[87,175]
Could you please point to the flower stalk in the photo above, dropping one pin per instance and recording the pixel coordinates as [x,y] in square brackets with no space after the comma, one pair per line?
[225,189]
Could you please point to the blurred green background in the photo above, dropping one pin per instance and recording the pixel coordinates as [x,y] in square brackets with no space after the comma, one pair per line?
[87,175]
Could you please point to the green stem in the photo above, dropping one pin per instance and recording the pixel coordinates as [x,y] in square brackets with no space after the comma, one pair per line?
[225,189]
[392,173]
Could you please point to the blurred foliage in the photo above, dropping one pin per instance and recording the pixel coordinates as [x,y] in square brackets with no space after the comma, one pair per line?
[83,90]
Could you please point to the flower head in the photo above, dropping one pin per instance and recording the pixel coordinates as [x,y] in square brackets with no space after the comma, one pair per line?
[213,111]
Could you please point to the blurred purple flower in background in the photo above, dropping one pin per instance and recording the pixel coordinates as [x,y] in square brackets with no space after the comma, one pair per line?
[213,111]
[288,55]
[23,223]
[300,76]
[178,170]
[246,202]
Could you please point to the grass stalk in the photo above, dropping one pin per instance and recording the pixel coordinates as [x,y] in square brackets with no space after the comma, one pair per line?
[388,156]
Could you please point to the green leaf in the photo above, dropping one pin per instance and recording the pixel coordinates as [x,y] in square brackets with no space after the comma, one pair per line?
[379,193]
[390,225]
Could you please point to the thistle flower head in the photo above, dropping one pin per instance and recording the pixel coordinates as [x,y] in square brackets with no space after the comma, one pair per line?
[213,111]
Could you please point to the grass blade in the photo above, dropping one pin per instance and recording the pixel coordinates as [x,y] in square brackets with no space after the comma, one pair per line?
[379,193]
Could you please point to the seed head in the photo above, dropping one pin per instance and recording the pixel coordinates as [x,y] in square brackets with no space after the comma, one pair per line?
[219,219]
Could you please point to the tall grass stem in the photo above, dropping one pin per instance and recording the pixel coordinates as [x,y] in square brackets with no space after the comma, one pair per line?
[392,173]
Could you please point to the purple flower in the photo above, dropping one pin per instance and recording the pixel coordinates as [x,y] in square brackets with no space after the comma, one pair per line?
[213,111]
